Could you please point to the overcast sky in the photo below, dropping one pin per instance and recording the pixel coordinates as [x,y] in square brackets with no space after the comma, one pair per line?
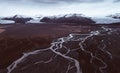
[55,7]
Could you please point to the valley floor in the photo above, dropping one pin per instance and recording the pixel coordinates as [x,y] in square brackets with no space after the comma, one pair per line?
[15,39]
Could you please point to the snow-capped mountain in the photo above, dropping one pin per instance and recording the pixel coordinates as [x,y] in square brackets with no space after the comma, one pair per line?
[20,16]
[105,20]
[66,15]
[18,19]
[5,21]
[115,16]
[98,20]
[68,18]
[36,19]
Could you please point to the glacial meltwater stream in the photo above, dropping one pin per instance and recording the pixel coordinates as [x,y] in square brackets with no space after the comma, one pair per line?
[76,53]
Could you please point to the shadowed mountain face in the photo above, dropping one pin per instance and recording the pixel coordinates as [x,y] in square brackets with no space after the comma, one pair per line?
[95,52]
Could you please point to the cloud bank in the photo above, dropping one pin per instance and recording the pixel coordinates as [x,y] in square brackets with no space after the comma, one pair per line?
[54,7]
[57,1]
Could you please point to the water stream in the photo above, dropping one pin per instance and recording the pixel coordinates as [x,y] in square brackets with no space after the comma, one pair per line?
[64,55]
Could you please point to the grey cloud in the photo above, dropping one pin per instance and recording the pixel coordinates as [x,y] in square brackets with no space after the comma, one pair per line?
[66,1]
[117,0]
[52,1]
[56,1]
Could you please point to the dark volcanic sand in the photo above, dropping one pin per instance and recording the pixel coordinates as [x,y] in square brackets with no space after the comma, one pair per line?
[15,39]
